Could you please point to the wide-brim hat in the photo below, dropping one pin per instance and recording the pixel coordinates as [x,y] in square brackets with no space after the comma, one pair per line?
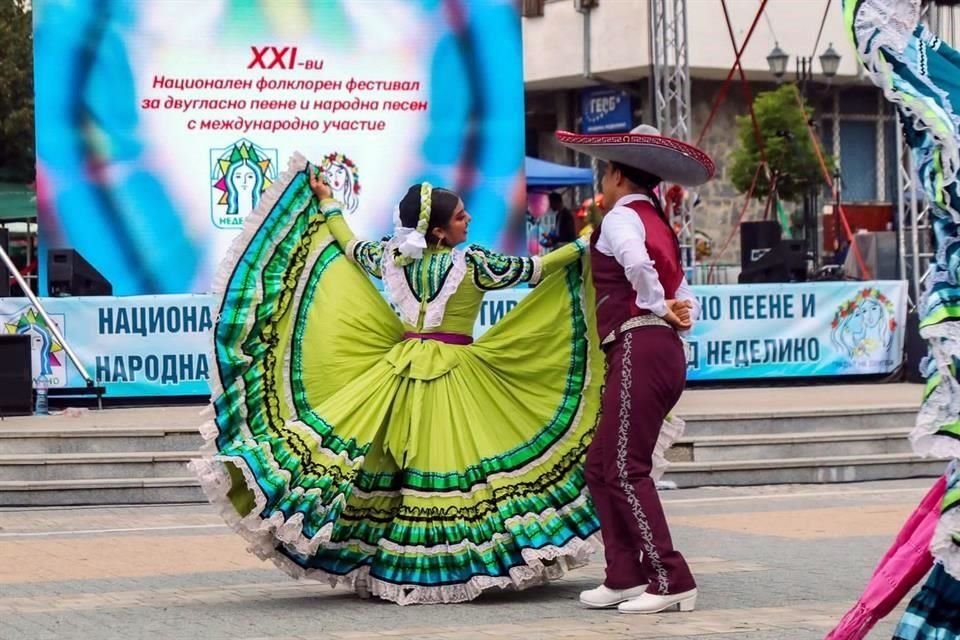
[644,148]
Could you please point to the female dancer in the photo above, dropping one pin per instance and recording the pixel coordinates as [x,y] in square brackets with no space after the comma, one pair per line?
[396,455]
[918,73]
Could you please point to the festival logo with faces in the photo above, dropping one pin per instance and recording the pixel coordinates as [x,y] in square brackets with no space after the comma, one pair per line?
[343,176]
[863,327]
[49,361]
[239,174]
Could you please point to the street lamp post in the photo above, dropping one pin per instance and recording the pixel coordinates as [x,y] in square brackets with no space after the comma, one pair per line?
[778,60]
[804,73]
[830,62]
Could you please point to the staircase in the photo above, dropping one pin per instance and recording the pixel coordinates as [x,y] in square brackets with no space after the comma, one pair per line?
[139,456]
[796,447]
[53,462]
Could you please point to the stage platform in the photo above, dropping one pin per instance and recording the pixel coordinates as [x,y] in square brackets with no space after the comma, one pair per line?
[742,436]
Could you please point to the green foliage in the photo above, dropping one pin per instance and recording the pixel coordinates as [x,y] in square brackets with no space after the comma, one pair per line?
[790,152]
[16,91]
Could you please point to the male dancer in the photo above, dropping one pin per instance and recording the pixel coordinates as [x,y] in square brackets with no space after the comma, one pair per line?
[637,273]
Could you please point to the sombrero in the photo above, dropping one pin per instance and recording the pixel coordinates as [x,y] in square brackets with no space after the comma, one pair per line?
[644,148]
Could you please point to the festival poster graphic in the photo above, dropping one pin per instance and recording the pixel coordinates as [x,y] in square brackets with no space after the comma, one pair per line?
[48,357]
[160,125]
[239,175]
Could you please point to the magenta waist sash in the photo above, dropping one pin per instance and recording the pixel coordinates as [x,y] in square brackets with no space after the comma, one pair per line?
[446,338]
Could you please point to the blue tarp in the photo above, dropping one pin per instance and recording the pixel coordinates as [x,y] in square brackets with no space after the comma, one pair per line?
[541,173]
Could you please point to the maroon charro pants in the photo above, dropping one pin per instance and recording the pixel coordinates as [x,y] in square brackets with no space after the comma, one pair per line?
[646,374]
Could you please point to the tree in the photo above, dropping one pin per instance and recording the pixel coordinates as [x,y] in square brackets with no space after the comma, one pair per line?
[790,154]
[16,91]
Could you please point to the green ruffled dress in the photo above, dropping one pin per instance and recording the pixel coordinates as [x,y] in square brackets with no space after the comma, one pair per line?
[411,469]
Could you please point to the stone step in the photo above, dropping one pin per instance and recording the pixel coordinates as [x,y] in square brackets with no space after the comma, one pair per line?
[790,445]
[819,470]
[183,489]
[805,421]
[118,491]
[98,440]
[31,467]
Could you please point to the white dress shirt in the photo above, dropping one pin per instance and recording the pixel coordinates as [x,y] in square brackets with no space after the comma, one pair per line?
[623,237]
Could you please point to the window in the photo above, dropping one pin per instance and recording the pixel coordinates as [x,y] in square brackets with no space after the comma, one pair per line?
[531,8]
[860,134]
[858,160]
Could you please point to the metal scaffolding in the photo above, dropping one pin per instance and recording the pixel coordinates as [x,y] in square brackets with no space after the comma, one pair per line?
[914,214]
[670,93]
[915,246]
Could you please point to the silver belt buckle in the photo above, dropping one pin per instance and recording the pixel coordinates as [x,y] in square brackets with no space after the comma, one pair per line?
[649,320]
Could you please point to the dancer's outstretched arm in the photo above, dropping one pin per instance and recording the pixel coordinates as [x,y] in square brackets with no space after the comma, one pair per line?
[368,254]
[493,270]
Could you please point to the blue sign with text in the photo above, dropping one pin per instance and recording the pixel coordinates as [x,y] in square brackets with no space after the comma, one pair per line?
[605,111]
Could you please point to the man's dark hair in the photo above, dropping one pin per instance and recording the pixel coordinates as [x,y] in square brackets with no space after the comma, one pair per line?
[639,177]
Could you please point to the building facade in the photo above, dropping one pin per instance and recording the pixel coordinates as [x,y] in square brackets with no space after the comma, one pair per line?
[576,51]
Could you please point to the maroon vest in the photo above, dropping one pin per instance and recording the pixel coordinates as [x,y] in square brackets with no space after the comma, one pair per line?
[616,297]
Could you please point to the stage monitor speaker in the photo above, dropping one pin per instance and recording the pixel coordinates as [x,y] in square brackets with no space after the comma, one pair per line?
[68,274]
[756,239]
[785,262]
[4,272]
[16,375]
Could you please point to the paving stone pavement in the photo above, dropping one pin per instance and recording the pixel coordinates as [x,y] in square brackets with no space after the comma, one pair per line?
[773,563]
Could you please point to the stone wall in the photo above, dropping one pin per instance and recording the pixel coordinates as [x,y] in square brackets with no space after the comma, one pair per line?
[720,203]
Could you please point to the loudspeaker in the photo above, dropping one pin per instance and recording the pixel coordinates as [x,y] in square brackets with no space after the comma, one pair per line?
[16,375]
[68,274]
[5,274]
[785,262]
[756,239]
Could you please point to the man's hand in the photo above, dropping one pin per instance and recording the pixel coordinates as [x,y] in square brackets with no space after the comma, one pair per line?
[681,308]
[678,314]
[318,185]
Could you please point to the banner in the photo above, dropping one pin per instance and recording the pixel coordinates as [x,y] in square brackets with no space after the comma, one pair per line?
[159,345]
[797,330]
[161,124]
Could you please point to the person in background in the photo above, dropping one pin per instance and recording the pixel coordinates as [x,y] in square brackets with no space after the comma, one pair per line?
[566,229]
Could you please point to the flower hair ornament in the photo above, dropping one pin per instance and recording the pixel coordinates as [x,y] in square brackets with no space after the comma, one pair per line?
[412,241]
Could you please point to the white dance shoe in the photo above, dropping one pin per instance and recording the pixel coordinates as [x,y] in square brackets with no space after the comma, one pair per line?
[604,598]
[652,603]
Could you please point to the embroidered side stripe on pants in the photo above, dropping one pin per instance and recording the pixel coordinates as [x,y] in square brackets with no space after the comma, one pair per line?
[623,441]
